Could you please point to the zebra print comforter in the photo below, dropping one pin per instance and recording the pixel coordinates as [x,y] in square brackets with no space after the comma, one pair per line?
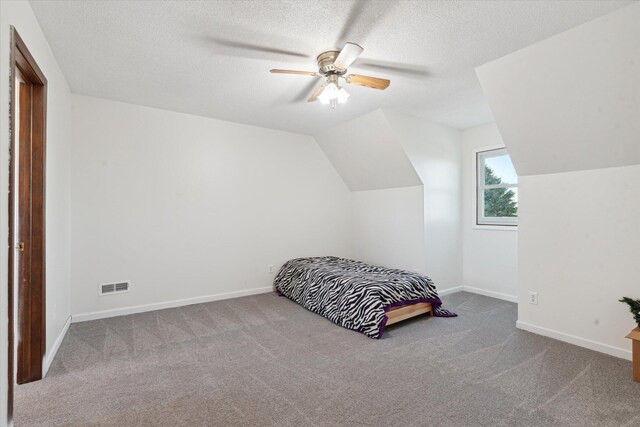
[353,294]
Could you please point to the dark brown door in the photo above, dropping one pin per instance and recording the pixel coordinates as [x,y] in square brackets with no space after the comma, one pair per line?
[27,214]
[28,250]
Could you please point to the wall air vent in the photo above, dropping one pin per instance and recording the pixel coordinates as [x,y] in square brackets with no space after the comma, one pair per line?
[113,288]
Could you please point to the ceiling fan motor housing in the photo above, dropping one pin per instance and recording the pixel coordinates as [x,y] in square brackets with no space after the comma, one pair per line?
[332,65]
[326,61]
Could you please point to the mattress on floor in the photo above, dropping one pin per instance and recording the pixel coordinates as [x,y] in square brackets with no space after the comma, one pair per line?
[353,294]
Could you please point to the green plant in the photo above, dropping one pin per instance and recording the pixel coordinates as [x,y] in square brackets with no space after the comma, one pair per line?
[498,202]
[634,305]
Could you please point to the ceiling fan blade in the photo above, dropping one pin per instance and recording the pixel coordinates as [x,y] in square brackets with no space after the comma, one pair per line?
[349,53]
[363,18]
[317,93]
[257,48]
[415,71]
[302,73]
[308,89]
[372,82]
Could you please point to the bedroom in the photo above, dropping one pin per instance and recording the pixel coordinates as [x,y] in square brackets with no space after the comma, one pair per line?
[182,175]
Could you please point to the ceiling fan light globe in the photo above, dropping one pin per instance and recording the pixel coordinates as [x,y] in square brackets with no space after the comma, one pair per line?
[343,96]
[330,92]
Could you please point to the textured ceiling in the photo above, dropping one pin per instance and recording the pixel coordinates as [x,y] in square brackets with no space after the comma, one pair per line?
[191,56]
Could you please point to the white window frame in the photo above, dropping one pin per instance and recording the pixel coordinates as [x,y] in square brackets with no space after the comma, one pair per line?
[480,221]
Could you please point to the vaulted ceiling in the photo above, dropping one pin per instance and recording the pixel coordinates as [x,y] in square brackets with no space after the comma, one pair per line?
[571,102]
[212,58]
[368,154]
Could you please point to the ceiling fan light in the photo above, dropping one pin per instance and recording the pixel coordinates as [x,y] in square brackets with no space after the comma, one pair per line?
[343,95]
[330,92]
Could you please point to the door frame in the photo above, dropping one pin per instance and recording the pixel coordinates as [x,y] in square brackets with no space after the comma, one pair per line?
[31,316]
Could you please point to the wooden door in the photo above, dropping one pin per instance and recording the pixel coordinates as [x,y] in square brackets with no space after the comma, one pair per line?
[28,250]
[27,215]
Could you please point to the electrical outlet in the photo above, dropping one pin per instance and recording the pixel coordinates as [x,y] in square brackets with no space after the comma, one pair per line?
[533,298]
[270,269]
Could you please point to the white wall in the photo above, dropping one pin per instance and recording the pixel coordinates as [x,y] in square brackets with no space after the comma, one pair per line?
[390,155]
[568,111]
[20,15]
[435,151]
[580,250]
[388,228]
[186,206]
[490,253]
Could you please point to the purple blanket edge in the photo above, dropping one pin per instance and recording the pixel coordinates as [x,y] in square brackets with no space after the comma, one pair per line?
[435,302]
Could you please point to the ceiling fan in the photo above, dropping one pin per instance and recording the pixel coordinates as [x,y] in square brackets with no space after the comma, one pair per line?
[333,66]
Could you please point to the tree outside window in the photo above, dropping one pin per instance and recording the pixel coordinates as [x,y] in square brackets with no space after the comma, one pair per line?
[497,187]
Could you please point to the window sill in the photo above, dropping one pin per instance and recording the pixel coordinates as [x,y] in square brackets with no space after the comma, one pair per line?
[496,227]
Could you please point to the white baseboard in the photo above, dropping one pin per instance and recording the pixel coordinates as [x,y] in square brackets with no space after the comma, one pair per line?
[492,294]
[48,359]
[83,317]
[572,339]
[450,290]
[561,336]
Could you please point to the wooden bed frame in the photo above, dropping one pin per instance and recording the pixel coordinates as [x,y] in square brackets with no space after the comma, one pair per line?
[399,314]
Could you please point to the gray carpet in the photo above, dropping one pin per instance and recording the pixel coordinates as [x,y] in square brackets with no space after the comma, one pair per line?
[263,360]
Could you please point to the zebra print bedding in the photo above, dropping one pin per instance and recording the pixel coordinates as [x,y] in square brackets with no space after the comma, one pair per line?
[353,294]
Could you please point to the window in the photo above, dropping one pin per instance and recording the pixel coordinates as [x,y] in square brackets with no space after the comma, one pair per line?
[497,185]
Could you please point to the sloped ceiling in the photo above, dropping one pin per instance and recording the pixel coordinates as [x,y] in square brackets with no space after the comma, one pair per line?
[571,102]
[367,154]
[433,149]
[388,149]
